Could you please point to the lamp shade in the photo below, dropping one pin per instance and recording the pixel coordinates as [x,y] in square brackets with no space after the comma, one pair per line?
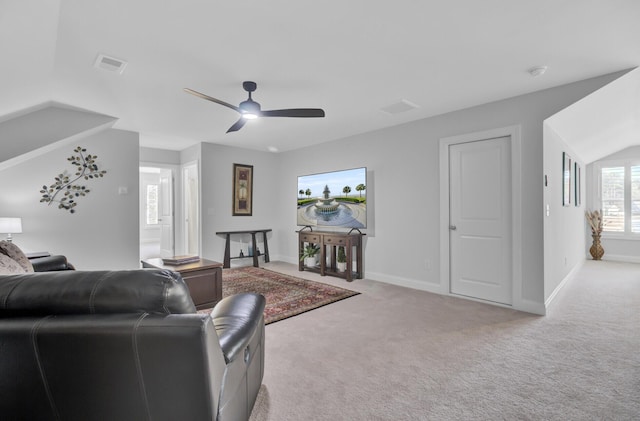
[10,225]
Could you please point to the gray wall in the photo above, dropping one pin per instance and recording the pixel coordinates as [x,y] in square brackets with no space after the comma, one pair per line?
[403,170]
[564,227]
[216,197]
[103,233]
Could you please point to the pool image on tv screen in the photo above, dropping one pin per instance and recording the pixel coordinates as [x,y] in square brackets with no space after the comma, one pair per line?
[333,199]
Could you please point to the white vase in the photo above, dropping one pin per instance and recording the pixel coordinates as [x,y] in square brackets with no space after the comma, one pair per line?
[310,261]
[342,266]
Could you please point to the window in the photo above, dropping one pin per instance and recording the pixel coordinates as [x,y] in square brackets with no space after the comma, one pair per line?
[152,204]
[620,197]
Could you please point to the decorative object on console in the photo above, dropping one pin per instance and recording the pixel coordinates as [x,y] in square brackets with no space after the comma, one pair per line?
[595,223]
[310,255]
[242,190]
[341,263]
[86,167]
[10,226]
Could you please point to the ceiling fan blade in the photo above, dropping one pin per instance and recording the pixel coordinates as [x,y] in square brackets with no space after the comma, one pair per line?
[238,125]
[212,99]
[294,112]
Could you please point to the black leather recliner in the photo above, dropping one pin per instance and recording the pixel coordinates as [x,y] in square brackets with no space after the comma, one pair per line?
[125,345]
[50,263]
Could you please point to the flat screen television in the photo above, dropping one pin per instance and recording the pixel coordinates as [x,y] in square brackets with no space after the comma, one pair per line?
[333,199]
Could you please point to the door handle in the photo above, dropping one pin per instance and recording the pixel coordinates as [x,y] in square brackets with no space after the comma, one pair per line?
[453,227]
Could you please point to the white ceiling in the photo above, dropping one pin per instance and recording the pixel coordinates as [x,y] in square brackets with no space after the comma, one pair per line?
[350,58]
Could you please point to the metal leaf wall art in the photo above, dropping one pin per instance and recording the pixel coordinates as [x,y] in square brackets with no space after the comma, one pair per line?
[65,191]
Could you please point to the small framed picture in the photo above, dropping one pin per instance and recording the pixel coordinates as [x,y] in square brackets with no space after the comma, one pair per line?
[242,190]
[566,179]
[578,190]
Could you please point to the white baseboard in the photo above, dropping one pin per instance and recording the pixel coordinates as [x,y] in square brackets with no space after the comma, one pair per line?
[564,281]
[434,287]
[405,282]
[621,258]
[532,307]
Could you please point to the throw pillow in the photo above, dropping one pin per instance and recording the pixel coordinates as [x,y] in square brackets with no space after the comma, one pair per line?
[14,252]
[8,266]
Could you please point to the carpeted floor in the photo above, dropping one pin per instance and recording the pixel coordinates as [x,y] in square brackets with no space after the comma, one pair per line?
[393,353]
[286,295]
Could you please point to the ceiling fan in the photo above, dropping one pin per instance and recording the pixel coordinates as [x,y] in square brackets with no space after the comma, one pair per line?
[250,109]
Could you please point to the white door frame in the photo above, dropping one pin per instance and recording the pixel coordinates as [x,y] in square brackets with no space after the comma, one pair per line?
[516,209]
[177,193]
[185,167]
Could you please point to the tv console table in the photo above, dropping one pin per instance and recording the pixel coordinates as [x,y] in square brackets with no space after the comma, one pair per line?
[333,240]
[227,246]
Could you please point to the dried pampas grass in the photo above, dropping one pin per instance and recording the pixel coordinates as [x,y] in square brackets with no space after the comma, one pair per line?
[595,220]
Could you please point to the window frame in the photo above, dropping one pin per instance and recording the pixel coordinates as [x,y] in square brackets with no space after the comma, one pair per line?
[627,234]
[146,205]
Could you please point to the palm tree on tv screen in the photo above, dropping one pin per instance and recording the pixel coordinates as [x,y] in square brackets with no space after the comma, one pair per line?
[361,188]
[346,191]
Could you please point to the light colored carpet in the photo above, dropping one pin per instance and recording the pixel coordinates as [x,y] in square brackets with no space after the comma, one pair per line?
[399,354]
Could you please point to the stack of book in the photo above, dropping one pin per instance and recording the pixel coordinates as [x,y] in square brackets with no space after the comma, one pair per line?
[180,260]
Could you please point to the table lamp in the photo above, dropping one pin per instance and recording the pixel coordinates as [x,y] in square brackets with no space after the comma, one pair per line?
[10,226]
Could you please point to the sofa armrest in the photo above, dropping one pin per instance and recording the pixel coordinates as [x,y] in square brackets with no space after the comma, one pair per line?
[237,318]
[50,263]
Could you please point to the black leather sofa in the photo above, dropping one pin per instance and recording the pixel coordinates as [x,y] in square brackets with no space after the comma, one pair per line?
[125,345]
[50,263]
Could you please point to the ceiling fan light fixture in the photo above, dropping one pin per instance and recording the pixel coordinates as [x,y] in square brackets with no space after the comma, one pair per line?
[248,115]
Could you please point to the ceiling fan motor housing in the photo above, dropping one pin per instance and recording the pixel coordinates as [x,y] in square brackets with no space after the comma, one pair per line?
[250,106]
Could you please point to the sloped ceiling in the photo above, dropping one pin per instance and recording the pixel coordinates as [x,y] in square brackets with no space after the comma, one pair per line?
[44,128]
[349,58]
[604,122]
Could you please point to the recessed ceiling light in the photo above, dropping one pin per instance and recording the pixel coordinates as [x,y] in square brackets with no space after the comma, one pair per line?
[272,149]
[538,71]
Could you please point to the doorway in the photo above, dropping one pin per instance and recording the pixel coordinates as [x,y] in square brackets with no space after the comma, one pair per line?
[480,208]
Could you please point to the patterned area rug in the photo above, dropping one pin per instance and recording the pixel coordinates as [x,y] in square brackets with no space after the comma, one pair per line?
[287,296]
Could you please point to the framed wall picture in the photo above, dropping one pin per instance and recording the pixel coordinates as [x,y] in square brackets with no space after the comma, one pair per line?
[578,190]
[566,179]
[242,190]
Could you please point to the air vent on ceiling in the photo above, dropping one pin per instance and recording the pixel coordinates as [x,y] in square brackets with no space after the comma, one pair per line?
[399,107]
[110,64]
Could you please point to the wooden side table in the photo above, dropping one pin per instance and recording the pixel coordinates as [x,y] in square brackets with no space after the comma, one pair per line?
[204,279]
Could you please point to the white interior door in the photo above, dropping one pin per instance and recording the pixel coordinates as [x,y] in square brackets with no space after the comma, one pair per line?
[480,219]
[165,213]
